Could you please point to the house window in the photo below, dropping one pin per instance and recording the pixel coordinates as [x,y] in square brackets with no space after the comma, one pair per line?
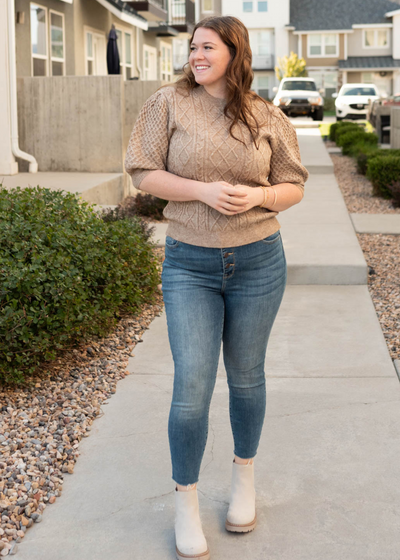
[208,5]
[180,49]
[95,53]
[124,43]
[166,62]
[39,40]
[367,78]
[247,6]
[261,86]
[57,48]
[263,6]
[89,54]
[150,62]
[260,43]
[47,31]
[375,38]
[323,45]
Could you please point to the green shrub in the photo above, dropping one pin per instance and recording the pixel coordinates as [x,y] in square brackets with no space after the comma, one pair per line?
[349,140]
[65,274]
[347,127]
[383,172]
[364,152]
[394,189]
[335,127]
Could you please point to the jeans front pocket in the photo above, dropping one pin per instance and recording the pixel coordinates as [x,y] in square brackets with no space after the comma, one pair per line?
[171,242]
[272,238]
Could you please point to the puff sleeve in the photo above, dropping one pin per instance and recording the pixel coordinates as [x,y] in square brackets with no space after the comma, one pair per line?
[285,163]
[149,141]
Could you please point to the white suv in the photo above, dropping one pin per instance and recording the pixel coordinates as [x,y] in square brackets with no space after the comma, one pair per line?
[299,96]
[352,100]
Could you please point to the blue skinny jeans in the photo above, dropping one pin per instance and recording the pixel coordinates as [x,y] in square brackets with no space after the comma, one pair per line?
[213,296]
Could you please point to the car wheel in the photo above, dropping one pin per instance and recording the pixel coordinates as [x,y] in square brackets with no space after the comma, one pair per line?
[339,119]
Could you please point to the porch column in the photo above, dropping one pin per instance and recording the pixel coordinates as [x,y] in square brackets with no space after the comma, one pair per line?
[396,82]
[8,164]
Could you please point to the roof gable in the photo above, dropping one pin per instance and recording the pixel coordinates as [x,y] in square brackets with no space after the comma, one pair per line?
[315,15]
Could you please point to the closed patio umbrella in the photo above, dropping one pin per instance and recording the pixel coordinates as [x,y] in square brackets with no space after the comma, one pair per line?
[112,53]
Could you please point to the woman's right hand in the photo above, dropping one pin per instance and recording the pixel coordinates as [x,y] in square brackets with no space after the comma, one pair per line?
[224,197]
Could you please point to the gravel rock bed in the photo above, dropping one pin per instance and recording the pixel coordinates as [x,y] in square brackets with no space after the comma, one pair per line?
[43,422]
[381,252]
[357,189]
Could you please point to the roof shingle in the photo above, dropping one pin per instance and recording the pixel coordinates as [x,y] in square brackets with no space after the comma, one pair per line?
[319,15]
[364,62]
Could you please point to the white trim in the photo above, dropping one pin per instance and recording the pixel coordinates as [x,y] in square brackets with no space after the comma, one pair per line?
[122,51]
[323,54]
[375,45]
[324,31]
[394,13]
[133,20]
[372,25]
[300,45]
[391,69]
[35,55]
[170,73]
[53,58]
[346,47]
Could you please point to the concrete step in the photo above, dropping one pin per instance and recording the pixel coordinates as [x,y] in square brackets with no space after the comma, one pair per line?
[96,188]
[376,223]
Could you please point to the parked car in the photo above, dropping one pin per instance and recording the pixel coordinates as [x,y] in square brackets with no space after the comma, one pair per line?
[352,100]
[392,100]
[299,96]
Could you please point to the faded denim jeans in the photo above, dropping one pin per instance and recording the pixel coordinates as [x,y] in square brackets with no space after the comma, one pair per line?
[211,295]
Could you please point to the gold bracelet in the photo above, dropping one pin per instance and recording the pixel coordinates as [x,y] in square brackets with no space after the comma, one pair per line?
[266,196]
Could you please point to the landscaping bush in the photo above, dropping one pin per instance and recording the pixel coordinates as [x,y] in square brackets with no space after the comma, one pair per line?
[364,152]
[394,189]
[350,139]
[384,172]
[65,274]
[339,126]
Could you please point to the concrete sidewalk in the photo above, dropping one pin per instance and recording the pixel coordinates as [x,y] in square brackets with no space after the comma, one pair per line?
[327,469]
[327,476]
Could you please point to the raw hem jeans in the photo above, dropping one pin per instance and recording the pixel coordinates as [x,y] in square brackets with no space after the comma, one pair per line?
[212,295]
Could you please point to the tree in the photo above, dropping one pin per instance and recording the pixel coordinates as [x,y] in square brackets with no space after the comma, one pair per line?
[290,67]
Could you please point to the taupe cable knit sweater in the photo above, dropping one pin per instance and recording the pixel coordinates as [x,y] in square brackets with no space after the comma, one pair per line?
[188,135]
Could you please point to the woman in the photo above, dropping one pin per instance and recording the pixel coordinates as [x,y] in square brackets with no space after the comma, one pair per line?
[228,162]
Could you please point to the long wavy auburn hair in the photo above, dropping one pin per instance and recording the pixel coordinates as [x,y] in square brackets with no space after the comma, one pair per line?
[239,74]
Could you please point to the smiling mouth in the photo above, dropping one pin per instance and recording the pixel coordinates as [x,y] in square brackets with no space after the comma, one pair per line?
[201,68]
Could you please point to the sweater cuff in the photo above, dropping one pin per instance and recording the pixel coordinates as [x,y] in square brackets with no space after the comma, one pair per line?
[138,175]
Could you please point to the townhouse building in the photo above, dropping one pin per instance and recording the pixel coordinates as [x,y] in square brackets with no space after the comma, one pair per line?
[69,37]
[266,21]
[348,42]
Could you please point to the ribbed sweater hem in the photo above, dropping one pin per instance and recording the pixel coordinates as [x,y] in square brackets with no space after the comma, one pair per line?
[223,239]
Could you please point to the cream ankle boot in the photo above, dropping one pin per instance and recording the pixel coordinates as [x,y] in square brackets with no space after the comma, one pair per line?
[241,517]
[190,540]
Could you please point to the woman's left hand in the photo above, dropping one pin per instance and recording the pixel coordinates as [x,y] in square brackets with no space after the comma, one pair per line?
[255,197]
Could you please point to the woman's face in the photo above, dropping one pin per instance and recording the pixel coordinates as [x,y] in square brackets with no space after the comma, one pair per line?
[209,58]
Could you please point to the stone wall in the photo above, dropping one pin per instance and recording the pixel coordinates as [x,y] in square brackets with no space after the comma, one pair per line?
[79,123]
